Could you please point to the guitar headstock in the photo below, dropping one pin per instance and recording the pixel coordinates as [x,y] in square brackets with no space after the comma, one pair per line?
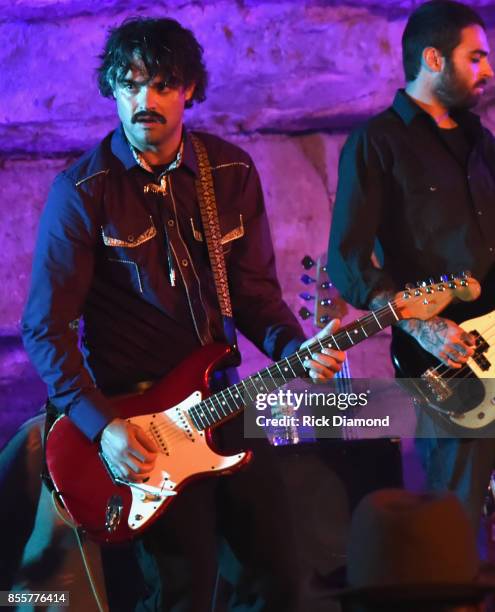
[324,297]
[429,298]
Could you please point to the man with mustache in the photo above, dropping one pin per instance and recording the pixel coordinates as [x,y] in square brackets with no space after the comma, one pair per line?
[121,245]
[417,184]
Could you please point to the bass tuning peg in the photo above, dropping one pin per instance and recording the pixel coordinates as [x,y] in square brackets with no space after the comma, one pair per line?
[306,296]
[307,262]
[307,279]
[304,313]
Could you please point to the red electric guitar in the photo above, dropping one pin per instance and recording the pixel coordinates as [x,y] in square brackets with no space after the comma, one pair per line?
[178,413]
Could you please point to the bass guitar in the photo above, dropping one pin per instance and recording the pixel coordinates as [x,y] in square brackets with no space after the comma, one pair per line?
[179,413]
[462,396]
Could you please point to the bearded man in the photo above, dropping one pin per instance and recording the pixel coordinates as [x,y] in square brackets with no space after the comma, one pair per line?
[417,185]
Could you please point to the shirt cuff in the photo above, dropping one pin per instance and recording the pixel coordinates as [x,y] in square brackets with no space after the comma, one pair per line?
[89,417]
[291,347]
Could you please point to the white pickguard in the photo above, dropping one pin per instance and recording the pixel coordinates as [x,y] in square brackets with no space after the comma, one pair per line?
[484,413]
[183,453]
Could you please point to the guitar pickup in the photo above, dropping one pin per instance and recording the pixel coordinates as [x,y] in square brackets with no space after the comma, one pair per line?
[482,362]
[481,344]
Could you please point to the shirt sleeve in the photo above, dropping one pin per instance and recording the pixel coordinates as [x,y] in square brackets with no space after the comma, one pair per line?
[260,312]
[362,192]
[61,276]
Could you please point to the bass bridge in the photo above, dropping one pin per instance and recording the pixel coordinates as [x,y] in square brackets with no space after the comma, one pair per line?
[436,386]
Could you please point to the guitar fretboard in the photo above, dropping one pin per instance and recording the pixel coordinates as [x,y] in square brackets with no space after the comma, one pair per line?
[229,401]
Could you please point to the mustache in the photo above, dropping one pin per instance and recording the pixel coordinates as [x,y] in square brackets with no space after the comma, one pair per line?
[148,115]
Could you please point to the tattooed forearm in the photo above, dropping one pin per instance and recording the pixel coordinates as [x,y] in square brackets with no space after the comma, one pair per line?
[428,333]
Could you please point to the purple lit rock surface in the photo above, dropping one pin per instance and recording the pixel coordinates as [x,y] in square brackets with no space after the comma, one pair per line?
[288,80]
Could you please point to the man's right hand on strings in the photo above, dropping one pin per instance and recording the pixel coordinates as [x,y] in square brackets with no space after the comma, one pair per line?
[442,338]
[128,449]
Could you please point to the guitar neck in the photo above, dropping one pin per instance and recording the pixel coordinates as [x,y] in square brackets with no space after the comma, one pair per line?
[222,405]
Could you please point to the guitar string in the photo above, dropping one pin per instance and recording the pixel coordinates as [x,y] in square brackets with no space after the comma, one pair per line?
[465,371]
[294,361]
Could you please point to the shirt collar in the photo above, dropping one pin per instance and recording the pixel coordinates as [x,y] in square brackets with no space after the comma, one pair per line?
[122,150]
[408,110]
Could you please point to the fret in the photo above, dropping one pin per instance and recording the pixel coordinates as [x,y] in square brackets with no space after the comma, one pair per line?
[276,385]
[220,404]
[204,413]
[233,398]
[268,381]
[261,382]
[246,389]
[211,407]
[335,342]
[251,380]
[393,311]
[226,401]
[349,336]
[300,360]
[376,319]
[294,375]
[203,422]
[280,370]
[193,416]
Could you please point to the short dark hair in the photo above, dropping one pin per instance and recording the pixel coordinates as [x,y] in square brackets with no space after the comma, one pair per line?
[164,47]
[435,24]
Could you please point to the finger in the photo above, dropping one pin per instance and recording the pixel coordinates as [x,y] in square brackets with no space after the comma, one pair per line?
[448,361]
[316,369]
[462,351]
[329,329]
[136,472]
[319,360]
[337,355]
[467,339]
[318,378]
[146,442]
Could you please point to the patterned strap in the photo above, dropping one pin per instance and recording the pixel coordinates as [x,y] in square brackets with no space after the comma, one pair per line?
[211,226]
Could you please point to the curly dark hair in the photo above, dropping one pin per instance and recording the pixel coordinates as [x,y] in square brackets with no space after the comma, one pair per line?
[164,47]
[438,24]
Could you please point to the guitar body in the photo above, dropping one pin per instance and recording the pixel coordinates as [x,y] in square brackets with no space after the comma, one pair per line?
[112,512]
[469,394]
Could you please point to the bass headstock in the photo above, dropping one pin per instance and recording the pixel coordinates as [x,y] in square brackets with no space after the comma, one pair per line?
[321,294]
[429,298]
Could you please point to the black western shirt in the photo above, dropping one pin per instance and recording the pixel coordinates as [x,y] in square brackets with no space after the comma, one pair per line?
[403,192]
[102,254]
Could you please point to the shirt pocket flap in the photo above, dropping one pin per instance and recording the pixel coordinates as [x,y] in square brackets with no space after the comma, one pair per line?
[231,228]
[113,237]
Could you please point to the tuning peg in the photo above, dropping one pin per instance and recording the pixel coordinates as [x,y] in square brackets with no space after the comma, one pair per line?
[430,281]
[444,278]
[307,279]
[324,319]
[306,296]
[325,302]
[326,285]
[465,274]
[304,313]
[307,262]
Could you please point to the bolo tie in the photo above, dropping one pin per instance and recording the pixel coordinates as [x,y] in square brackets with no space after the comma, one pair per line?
[161,189]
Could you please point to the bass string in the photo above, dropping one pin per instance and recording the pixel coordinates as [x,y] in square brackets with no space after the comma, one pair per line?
[464,371]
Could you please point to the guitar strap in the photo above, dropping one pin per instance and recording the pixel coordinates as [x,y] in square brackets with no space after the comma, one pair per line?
[213,237]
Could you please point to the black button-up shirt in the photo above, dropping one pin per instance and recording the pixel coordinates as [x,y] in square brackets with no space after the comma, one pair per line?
[402,191]
[101,254]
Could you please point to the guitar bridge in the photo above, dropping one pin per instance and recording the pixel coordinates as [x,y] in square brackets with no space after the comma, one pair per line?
[436,385]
